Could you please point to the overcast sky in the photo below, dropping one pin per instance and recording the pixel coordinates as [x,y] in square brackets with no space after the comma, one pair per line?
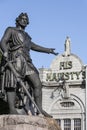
[51,21]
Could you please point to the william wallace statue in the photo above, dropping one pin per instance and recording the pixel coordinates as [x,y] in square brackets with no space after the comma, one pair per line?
[16,45]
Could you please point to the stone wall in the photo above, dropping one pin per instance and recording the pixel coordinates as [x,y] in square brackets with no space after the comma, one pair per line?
[22,122]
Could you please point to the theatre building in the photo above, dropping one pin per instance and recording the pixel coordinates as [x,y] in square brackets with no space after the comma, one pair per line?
[64,89]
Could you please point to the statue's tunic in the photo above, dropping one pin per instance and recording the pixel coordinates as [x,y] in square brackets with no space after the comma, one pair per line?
[18,44]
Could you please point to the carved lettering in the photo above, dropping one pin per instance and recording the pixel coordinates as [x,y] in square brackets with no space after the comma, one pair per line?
[66,76]
[65,65]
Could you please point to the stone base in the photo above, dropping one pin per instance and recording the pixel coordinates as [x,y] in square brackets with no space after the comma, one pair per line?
[23,122]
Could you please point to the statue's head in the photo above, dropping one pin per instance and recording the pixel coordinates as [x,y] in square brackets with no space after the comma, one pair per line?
[22,19]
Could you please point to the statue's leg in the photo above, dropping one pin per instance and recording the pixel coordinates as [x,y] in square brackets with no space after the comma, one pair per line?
[37,89]
[11,95]
[34,78]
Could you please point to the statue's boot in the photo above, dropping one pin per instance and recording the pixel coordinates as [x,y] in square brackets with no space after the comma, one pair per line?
[38,102]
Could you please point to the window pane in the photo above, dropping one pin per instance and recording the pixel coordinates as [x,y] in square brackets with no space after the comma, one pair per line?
[77,124]
[67,124]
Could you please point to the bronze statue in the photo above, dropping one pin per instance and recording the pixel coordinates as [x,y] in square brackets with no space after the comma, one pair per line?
[16,45]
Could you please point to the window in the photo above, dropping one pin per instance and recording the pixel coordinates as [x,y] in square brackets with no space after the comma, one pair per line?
[58,121]
[67,104]
[67,124]
[77,124]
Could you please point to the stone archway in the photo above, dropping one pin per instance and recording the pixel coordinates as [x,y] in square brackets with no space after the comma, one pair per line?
[71,108]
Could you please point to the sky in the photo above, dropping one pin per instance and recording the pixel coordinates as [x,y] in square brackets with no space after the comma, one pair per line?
[51,21]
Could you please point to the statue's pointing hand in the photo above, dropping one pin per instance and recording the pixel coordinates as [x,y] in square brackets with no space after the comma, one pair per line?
[52,51]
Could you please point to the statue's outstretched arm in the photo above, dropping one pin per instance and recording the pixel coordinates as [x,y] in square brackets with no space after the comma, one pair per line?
[38,48]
